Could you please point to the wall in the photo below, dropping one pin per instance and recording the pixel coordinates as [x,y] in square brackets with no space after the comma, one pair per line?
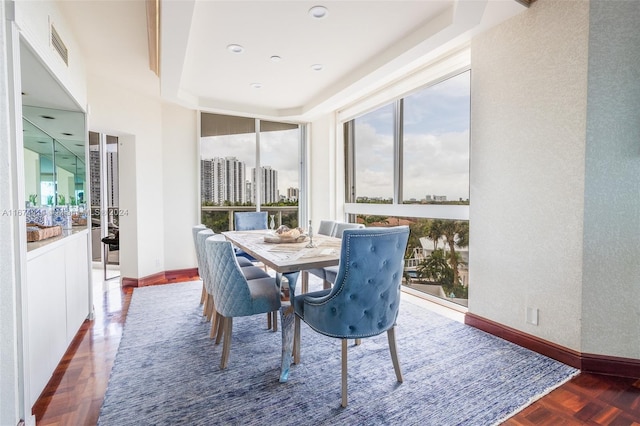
[137,121]
[611,312]
[529,85]
[323,169]
[180,185]
[10,403]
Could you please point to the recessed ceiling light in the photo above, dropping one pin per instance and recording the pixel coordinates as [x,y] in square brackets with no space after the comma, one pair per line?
[275,58]
[235,48]
[48,117]
[256,85]
[317,67]
[318,12]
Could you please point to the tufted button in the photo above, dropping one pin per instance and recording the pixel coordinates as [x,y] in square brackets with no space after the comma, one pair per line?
[333,310]
[351,328]
[380,324]
[365,312]
[369,281]
[373,248]
[352,296]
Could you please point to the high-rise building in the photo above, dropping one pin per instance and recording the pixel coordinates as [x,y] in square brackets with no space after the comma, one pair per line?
[293,194]
[268,185]
[223,179]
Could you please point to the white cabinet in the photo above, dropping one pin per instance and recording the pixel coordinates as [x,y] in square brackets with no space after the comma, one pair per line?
[57,304]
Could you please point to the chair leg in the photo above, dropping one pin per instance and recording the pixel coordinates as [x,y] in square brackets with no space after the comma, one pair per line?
[214,324]
[326,285]
[268,320]
[205,307]
[344,372]
[296,341]
[358,341]
[226,346]
[220,333]
[274,319]
[211,307]
[203,294]
[391,336]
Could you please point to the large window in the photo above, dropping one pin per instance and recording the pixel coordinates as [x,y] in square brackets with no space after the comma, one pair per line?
[248,165]
[408,164]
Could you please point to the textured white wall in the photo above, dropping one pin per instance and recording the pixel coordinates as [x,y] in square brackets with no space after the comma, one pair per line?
[529,85]
[611,290]
[180,185]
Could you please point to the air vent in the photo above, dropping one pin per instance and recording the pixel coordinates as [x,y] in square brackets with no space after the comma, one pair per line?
[59,46]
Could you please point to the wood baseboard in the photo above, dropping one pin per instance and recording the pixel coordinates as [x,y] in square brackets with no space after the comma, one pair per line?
[589,363]
[164,277]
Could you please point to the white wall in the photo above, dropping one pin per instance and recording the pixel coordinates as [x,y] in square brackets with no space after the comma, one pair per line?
[10,398]
[611,294]
[324,171]
[180,185]
[529,85]
[34,19]
[137,120]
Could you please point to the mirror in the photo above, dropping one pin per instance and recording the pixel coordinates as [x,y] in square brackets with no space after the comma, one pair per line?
[55,172]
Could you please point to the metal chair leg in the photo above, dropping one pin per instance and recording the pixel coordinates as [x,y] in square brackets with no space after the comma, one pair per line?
[344,372]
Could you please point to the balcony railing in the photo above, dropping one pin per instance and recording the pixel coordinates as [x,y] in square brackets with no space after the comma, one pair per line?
[220,218]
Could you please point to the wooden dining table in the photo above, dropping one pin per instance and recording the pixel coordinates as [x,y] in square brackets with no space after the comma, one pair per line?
[289,259]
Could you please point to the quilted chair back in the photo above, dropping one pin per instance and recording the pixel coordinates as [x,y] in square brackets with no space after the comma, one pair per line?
[195,230]
[365,298]
[249,221]
[201,250]
[230,287]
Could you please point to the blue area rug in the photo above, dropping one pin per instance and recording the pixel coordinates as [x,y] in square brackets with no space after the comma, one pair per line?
[166,372]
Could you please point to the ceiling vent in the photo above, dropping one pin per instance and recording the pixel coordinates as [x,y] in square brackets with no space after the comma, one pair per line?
[59,46]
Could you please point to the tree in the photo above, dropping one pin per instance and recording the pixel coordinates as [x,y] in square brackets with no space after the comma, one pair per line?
[456,232]
[435,268]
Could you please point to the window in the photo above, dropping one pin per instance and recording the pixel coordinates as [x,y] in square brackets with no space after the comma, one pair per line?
[242,169]
[407,163]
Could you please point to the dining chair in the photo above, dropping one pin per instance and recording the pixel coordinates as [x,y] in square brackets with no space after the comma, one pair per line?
[328,273]
[209,303]
[365,298]
[235,295]
[326,227]
[249,221]
[195,229]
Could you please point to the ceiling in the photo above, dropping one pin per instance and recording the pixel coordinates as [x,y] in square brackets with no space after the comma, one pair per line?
[362,46]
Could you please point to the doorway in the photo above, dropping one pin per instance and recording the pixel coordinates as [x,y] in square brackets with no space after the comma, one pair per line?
[105,228]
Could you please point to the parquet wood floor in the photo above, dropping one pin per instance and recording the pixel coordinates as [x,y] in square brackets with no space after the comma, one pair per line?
[74,395]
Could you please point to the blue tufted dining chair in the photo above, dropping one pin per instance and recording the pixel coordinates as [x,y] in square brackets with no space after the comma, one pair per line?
[328,274]
[249,221]
[235,294]
[365,298]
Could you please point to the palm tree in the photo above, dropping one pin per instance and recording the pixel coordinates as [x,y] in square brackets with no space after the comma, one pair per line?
[435,268]
[456,232]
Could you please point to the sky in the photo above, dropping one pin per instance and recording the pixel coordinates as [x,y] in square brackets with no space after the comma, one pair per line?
[279,150]
[435,144]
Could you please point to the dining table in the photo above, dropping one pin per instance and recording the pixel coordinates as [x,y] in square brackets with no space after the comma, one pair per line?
[291,258]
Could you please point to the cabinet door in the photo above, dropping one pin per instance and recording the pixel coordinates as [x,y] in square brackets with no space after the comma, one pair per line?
[77,285]
[47,328]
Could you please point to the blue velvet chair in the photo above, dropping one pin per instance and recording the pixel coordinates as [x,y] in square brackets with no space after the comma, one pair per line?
[365,298]
[234,293]
[249,221]
[328,274]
